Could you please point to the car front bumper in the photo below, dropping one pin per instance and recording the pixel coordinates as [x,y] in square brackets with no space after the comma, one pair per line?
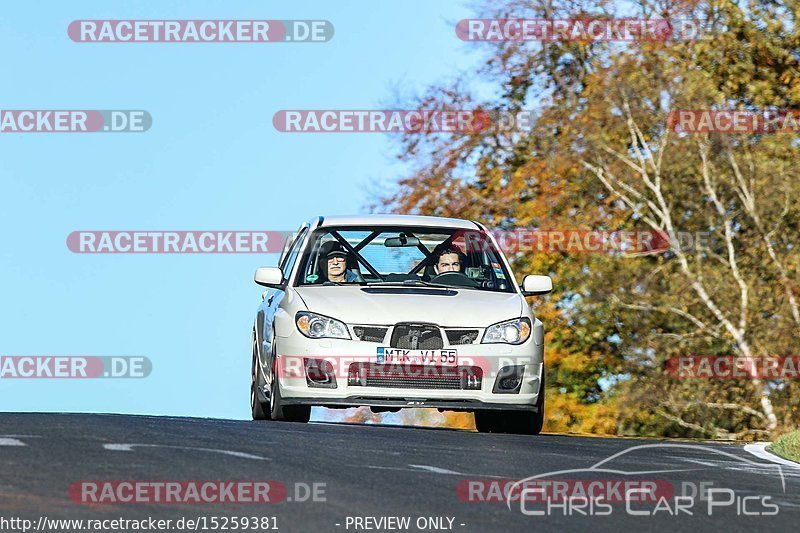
[490,358]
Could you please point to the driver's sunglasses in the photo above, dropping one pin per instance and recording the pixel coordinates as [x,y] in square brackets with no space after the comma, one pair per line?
[337,258]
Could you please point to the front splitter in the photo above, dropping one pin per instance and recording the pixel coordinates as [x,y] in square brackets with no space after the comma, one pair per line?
[450,405]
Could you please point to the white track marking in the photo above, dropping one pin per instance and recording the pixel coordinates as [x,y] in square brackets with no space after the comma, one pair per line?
[699,462]
[7,441]
[119,447]
[426,468]
[129,448]
[437,470]
[759,450]
[375,467]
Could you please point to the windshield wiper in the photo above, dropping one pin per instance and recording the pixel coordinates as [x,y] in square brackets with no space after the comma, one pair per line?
[410,283]
[424,283]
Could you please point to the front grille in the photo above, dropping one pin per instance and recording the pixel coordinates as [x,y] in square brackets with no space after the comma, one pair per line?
[415,376]
[370,333]
[416,337]
[461,336]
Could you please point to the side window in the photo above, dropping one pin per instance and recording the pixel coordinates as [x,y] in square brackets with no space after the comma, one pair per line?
[290,240]
[291,256]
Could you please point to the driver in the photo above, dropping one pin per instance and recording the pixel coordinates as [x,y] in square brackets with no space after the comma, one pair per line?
[333,257]
[448,260]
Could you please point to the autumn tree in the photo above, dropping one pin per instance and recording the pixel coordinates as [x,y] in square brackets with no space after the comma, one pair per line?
[602,155]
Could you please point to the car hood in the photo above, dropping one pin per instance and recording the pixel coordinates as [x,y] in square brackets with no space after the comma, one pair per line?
[384,305]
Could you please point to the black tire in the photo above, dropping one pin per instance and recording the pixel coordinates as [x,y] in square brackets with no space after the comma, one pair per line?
[281,412]
[525,422]
[538,422]
[516,422]
[258,409]
[489,421]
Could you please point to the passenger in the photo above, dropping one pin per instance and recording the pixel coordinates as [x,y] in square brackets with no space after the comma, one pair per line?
[335,264]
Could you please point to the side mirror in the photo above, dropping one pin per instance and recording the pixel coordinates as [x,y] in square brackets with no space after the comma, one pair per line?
[536,285]
[269,276]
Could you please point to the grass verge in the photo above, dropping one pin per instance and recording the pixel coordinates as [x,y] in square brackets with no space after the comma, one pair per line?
[787,446]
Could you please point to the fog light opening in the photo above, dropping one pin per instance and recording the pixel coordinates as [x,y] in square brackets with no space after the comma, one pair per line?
[320,373]
[509,379]
[510,383]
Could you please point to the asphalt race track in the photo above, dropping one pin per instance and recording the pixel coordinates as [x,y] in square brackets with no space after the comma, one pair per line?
[373,473]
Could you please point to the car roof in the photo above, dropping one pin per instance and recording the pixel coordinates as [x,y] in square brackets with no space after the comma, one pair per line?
[397,220]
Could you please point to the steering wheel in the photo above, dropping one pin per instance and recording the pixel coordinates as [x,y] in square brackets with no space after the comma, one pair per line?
[457,279]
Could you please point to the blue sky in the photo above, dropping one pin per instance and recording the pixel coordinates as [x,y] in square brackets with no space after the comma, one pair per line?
[211,160]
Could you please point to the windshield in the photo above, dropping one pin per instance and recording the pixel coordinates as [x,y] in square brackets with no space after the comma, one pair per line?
[404,256]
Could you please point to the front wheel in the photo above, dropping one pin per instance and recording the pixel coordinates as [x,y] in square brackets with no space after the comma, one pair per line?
[258,409]
[516,422]
[280,411]
[489,421]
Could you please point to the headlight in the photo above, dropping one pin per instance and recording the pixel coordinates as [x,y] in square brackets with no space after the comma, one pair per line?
[514,331]
[317,326]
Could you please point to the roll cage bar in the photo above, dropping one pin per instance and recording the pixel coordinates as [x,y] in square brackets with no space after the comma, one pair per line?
[374,234]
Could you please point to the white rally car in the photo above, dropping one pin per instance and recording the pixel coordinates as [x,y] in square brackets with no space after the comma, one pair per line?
[392,311]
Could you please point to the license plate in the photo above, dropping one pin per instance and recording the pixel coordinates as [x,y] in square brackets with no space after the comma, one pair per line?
[417,357]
